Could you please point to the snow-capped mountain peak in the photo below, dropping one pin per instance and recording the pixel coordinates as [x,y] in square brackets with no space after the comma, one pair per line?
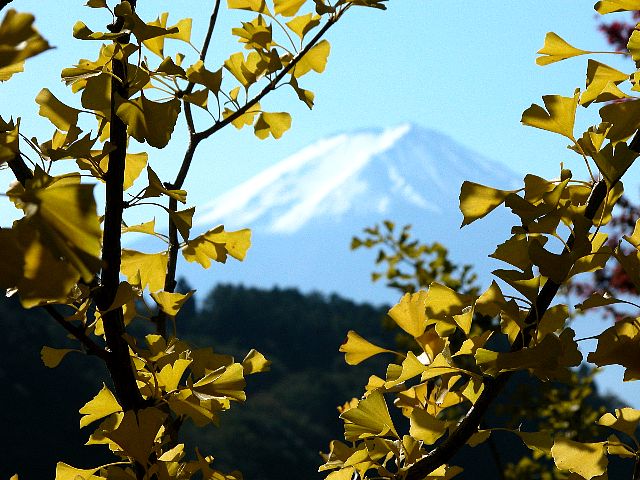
[370,171]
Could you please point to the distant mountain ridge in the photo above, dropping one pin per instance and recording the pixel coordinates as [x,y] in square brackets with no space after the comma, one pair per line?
[304,210]
[366,172]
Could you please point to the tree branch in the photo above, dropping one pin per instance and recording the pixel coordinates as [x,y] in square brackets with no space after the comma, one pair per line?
[443,453]
[207,39]
[119,364]
[273,83]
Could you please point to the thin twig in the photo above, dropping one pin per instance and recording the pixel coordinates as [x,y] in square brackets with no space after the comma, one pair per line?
[207,39]
[272,84]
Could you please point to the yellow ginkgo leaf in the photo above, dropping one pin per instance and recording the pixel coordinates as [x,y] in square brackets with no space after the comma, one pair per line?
[369,419]
[357,349]
[255,362]
[197,73]
[619,345]
[67,472]
[409,314]
[287,8]
[274,124]
[613,162]
[52,357]
[315,59]
[157,188]
[411,367]
[304,24]
[624,118]
[586,459]
[134,164]
[148,227]
[609,6]
[342,474]
[100,406]
[149,268]
[259,6]
[216,244]
[602,84]
[169,302]
[476,200]
[137,432]
[170,375]
[19,40]
[426,427]
[149,121]
[540,442]
[556,49]
[442,301]
[559,116]
[625,420]
[225,382]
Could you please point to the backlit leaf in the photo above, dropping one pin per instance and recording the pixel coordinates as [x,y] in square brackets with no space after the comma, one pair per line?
[287,8]
[169,376]
[597,300]
[149,268]
[171,303]
[259,6]
[614,162]
[476,200]
[410,314]
[197,73]
[137,432]
[426,427]
[556,49]
[618,345]
[624,118]
[609,6]
[19,40]
[274,124]
[625,420]
[369,419]
[52,357]
[61,115]
[559,116]
[100,406]
[255,362]
[216,244]
[148,121]
[304,24]
[357,349]
[315,59]
[67,472]
[182,219]
[226,382]
[157,188]
[586,459]
[602,84]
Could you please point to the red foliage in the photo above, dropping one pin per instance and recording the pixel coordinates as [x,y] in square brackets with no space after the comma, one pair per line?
[618,32]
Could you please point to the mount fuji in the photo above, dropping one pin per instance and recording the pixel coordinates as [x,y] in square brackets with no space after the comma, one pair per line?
[304,210]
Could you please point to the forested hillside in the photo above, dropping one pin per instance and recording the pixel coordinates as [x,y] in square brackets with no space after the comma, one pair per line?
[277,435]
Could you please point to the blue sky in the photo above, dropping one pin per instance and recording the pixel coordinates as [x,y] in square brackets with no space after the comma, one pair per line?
[465,68]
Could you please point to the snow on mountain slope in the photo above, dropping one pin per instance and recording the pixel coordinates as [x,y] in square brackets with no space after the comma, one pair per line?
[361,173]
[304,210]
